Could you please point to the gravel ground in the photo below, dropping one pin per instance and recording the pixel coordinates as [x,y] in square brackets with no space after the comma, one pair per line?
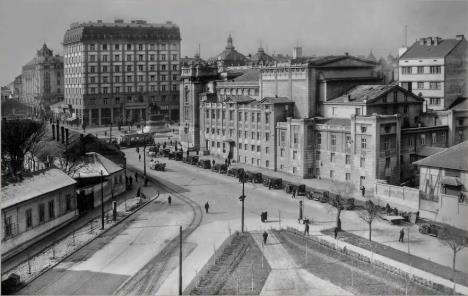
[352,275]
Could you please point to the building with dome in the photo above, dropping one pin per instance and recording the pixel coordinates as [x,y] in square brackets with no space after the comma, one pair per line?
[229,57]
[42,80]
[261,58]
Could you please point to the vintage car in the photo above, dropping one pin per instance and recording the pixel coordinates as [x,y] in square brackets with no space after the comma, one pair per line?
[430,229]
[253,177]
[320,195]
[276,183]
[193,160]
[204,163]
[235,172]
[301,190]
[289,187]
[178,155]
[166,152]
[158,166]
[220,168]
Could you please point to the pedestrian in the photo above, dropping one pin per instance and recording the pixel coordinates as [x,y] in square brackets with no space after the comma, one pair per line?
[138,192]
[213,162]
[169,200]
[338,223]
[402,235]
[265,237]
[294,193]
[137,150]
[363,190]
[269,184]
[306,229]
[136,177]
[336,232]
[139,157]
[207,206]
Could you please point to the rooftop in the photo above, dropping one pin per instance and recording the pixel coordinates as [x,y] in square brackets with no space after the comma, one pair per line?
[230,56]
[335,121]
[41,183]
[94,164]
[450,158]
[431,48]
[460,103]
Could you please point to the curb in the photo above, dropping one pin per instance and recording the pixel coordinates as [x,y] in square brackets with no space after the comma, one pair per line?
[87,243]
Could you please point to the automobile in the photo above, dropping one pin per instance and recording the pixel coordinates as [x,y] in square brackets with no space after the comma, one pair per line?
[152,153]
[257,178]
[320,195]
[220,168]
[276,183]
[178,155]
[193,160]
[430,229]
[171,155]
[289,187]
[158,166]
[204,164]
[166,152]
[301,190]
[309,194]
[235,172]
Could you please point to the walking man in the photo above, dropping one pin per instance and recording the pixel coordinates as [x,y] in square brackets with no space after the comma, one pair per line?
[265,237]
[207,206]
[269,184]
[169,200]
[363,190]
[402,235]
[336,232]
[306,229]
[294,193]
[139,157]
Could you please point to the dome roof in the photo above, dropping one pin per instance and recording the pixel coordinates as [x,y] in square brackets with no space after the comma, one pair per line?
[230,56]
[261,57]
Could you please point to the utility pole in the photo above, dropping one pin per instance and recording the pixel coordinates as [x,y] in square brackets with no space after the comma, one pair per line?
[110,132]
[242,199]
[180,260]
[144,162]
[102,201]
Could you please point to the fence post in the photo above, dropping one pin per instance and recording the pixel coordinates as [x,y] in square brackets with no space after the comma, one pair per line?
[237,278]
[251,272]
[29,264]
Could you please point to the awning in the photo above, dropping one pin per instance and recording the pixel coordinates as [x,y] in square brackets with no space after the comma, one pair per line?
[451,181]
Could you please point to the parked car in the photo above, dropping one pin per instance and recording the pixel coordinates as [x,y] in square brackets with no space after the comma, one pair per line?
[219,168]
[301,189]
[430,229]
[276,183]
[204,164]
[171,155]
[320,195]
[178,155]
[257,178]
[235,172]
[166,152]
[309,194]
[193,160]
[289,187]
[158,166]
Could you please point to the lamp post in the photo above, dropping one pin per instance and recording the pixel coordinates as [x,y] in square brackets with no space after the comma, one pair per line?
[242,199]
[102,201]
[144,165]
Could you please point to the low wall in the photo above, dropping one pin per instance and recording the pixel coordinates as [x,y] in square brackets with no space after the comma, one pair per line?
[402,197]
[446,210]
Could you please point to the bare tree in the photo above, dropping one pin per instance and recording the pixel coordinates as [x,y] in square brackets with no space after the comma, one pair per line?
[454,241]
[368,215]
[339,200]
[20,137]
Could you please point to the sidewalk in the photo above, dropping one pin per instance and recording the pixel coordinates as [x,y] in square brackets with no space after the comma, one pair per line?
[323,184]
[64,231]
[286,277]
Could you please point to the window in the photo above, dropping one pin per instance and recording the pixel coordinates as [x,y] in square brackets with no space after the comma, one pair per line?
[41,213]
[51,209]
[361,180]
[29,223]
[129,57]
[253,135]
[363,143]
[348,176]
[174,67]
[363,129]
[104,58]
[317,155]
[358,111]
[92,47]
[267,118]
[282,152]
[92,80]
[151,57]
[117,46]
[140,46]
[294,154]
[434,85]
[68,205]
[333,140]
[92,69]
[319,139]
[163,57]
[435,69]
[420,85]
[333,111]
[104,68]
[92,58]
[267,163]
[332,157]
[104,47]
[362,162]
[129,68]
[267,150]
[434,138]
[163,77]
[420,69]
[116,68]
[174,57]
[387,162]
[405,70]
[140,67]
[259,148]
[332,174]
[347,159]
[395,97]
[460,136]
[460,122]
[8,226]
[267,137]
[423,139]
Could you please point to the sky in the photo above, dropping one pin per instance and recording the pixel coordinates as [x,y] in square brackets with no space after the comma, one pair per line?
[320,26]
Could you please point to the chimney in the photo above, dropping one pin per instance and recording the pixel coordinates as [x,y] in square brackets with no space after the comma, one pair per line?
[460,37]
[429,41]
[422,41]
[297,52]
[346,54]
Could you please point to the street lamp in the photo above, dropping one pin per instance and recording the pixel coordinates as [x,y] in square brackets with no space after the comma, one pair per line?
[144,165]
[242,199]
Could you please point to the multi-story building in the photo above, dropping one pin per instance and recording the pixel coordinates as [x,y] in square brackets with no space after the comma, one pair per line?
[42,80]
[436,69]
[114,72]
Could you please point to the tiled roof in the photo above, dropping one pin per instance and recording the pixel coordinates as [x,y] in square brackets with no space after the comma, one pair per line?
[460,103]
[275,100]
[95,163]
[440,50]
[238,99]
[31,187]
[322,60]
[428,150]
[250,75]
[335,121]
[450,158]
[262,57]
[368,93]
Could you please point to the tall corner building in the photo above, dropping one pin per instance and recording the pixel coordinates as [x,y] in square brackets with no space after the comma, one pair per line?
[117,73]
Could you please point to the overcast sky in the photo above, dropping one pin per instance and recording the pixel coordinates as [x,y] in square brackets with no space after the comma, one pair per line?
[319,26]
